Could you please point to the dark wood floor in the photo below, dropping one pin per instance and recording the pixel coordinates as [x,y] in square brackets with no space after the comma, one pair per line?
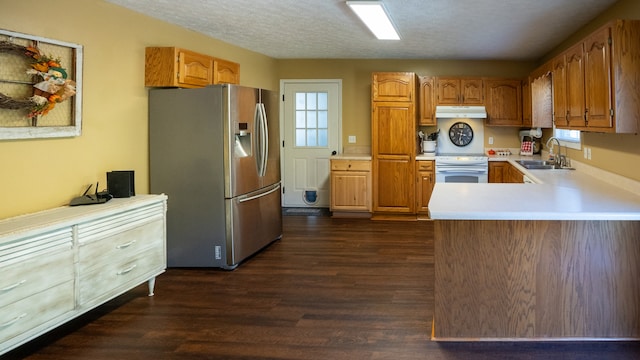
[330,289]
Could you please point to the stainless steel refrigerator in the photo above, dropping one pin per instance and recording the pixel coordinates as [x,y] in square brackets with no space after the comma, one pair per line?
[215,152]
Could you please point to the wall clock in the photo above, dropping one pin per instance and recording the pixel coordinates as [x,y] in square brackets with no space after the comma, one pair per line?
[460,134]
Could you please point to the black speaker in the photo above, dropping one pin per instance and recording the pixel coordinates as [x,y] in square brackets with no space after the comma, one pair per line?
[120,184]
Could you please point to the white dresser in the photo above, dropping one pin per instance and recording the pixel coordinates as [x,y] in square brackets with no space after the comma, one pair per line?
[58,264]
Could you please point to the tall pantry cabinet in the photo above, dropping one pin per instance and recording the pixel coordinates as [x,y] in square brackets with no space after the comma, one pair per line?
[394,143]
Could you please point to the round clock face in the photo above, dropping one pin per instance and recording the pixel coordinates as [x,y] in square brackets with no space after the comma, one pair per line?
[460,134]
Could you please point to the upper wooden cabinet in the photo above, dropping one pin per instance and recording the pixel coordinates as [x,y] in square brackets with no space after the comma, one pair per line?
[176,67]
[503,100]
[559,93]
[459,91]
[602,78]
[539,102]
[393,86]
[225,72]
[393,143]
[575,85]
[427,96]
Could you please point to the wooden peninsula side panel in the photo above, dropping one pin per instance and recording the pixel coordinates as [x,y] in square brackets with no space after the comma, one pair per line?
[526,280]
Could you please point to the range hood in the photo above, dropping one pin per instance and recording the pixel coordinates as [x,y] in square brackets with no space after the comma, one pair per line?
[464,112]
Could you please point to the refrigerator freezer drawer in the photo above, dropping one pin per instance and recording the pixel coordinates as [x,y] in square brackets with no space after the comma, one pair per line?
[253,222]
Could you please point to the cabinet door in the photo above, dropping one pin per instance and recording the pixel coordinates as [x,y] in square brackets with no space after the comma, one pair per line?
[448,91]
[427,103]
[393,189]
[497,171]
[597,79]
[471,92]
[514,175]
[575,86]
[349,191]
[393,130]
[504,102]
[393,86]
[541,101]
[559,82]
[426,180]
[194,69]
[226,72]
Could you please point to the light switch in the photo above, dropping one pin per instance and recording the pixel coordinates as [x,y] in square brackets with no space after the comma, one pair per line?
[352,139]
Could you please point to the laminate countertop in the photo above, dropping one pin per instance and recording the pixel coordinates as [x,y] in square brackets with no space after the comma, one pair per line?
[350,157]
[577,194]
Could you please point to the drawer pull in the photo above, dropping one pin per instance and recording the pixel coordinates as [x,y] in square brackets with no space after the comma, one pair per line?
[126,245]
[13,321]
[127,270]
[11,287]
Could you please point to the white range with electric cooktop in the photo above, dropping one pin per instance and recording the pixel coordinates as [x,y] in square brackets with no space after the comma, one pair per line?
[460,156]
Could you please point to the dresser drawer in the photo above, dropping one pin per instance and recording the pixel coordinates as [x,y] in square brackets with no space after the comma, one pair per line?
[350,165]
[114,224]
[124,245]
[35,275]
[104,282]
[28,313]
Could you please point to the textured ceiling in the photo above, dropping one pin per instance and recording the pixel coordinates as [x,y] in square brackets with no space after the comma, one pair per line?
[430,29]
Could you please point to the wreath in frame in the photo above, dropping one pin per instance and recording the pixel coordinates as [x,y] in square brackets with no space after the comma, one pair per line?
[52,85]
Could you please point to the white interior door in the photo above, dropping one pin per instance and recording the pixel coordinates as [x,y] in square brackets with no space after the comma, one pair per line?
[311,129]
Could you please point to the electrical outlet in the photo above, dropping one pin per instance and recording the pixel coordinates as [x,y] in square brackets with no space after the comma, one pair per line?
[352,139]
[490,140]
[588,153]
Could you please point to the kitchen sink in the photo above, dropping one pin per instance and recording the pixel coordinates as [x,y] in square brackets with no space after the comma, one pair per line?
[538,165]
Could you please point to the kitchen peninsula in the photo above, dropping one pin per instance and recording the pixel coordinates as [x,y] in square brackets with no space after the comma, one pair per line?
[555,260]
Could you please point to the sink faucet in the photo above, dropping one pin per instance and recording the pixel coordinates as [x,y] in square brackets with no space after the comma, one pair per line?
[559,160]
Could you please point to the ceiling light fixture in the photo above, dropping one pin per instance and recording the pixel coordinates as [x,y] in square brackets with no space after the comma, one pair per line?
[374,15]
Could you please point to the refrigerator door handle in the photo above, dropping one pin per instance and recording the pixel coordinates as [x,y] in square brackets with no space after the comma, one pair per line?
[258,126]
[265,141]
[253,197]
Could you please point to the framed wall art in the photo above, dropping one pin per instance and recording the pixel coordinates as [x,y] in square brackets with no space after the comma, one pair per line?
[40,87]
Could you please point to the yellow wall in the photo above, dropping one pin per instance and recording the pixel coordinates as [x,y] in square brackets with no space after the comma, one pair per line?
[44,173]
[356,86]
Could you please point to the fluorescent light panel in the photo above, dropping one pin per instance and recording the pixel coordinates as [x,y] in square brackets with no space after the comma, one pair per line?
[374,15]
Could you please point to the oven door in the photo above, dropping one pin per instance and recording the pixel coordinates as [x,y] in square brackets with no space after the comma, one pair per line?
[461,174]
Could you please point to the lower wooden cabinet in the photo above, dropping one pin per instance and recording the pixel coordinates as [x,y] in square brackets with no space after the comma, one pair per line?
[497,170]
[514,175]
[350,185]
[60,263]
[503,172]
[425,171]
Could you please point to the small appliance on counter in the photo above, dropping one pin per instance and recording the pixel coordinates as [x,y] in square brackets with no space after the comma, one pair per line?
[530,141]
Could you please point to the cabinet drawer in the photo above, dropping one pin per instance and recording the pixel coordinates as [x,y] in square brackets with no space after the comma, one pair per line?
[124,245]
[350,165]
[106,281]
[425,165]
[35,275]
[30,312]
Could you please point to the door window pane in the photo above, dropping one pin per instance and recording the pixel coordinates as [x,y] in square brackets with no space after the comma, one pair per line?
[311,119]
